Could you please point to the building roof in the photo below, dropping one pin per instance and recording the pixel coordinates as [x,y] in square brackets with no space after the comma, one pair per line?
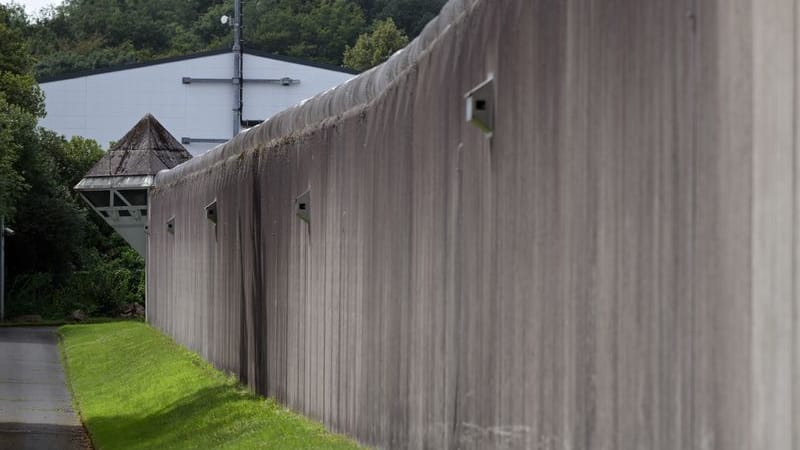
[248,51]
[145,150]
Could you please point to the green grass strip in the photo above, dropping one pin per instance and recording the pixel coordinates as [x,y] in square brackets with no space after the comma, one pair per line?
[136,389]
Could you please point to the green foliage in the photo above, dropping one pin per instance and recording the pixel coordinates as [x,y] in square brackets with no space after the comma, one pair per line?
[136,389]
[31,293]
[50,224]
[15,56]
[90,34]
[314,29]
[15,126]
[99,290]
[410,15]
[376,46]
[20,105]
[77,59]
[62,256]
[106,286]
[74,158]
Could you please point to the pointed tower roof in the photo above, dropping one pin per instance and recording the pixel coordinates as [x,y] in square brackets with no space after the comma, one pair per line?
[145,150]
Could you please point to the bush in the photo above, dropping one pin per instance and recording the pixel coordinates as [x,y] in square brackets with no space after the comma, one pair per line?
[32,293]
[98,291]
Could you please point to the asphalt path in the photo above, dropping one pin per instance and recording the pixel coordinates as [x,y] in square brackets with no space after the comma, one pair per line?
[35,406]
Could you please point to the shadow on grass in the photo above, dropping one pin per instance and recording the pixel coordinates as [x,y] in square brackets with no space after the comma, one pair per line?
[176,424]
[209,418]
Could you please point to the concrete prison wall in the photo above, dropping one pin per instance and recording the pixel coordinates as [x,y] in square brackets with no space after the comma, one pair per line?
[614,269]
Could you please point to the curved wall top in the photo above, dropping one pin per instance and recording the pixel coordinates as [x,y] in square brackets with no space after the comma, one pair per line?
[335,102]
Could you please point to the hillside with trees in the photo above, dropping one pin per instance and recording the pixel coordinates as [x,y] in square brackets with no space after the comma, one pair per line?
[89,34]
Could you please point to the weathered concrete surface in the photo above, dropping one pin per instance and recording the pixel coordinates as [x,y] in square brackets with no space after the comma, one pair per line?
[35,408]
[617,269]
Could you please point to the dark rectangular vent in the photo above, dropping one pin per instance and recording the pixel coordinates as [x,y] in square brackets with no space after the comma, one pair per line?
[211,212]
[302,206]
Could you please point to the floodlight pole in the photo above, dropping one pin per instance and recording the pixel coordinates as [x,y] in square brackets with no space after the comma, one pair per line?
[237,66]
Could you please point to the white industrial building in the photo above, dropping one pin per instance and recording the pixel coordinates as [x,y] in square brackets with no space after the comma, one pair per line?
[193,96]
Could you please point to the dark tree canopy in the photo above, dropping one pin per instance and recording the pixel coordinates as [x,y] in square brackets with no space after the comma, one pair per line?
[21,104]
[411,16]
[60,247]
[88,34]
[315,29]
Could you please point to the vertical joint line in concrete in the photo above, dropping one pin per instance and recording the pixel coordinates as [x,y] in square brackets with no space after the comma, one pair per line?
[693,43]
[794,196]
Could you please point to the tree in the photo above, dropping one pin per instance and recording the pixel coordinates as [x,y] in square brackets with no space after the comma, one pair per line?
[376,46]
[63,255]
[61,248]
[410,15]
[316,29]
[90,34]
[51,225]
[21,103]
[13,121]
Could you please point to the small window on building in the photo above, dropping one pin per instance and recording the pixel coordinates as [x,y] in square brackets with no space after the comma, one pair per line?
[124,213]
[118,201]
[98,199]
[136,197]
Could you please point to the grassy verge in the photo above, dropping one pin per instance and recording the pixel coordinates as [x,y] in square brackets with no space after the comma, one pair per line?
[136,389]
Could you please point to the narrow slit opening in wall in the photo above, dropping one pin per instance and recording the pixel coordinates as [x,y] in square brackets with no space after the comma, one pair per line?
[480,106]
[302,207]
[211,212]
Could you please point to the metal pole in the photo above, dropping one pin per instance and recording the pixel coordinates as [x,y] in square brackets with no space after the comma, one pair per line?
[237,66]
[2,268]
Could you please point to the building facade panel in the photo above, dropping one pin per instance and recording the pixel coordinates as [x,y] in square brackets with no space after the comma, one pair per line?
[103,105]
